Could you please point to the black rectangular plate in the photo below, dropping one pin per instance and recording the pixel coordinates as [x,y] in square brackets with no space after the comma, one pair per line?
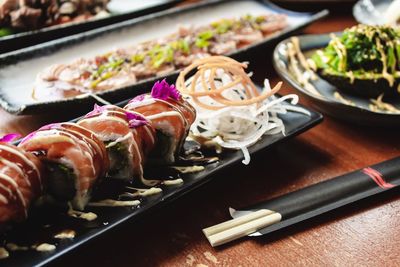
[33,231]
[24,39]
[18,69]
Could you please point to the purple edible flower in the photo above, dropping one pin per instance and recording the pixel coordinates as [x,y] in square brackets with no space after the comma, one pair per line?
[138,98]
[43,128]
[162,90]
[50,126]
[96,110]
[9,137]
[135,120]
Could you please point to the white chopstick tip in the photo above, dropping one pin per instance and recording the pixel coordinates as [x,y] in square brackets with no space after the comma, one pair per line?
[231,211]
[239,227]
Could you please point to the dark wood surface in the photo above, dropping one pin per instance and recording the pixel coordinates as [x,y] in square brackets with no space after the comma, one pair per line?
[364,233]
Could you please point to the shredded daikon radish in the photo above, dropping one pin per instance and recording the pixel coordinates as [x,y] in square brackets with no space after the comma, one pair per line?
[238,127]
[230,113]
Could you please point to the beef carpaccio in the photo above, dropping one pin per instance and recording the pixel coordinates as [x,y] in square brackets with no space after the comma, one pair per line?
[27,15]
[126,66]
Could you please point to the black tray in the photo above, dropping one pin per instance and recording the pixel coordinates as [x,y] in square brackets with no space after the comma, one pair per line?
[24,39]
[33,231]
[18,69]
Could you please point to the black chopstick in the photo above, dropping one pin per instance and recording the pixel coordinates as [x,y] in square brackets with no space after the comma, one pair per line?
[319,198]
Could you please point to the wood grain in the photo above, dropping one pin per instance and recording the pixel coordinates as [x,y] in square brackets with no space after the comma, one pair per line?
[363,234]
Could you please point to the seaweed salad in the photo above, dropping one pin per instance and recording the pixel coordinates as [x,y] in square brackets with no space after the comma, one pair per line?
[364,60]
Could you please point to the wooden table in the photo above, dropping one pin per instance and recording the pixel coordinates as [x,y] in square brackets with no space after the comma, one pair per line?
[365,233]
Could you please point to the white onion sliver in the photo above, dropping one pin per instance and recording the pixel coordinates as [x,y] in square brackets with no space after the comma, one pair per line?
[238,127]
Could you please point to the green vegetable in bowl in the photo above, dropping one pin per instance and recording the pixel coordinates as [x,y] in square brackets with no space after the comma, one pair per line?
[364,60]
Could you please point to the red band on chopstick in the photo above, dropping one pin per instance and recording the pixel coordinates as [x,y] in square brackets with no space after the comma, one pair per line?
[377,177]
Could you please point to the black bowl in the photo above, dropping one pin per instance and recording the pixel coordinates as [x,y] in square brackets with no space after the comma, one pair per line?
[369,88]
[359,112]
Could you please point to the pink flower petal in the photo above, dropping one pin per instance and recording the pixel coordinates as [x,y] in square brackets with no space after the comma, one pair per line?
[138,98]
[135,120]
[43,128]
[9,137]
[96,111]
[49,126]
[162,90]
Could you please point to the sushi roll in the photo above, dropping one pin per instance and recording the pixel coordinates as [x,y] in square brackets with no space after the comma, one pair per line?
[20,182]
[170,115]
[128,137]
[74,159]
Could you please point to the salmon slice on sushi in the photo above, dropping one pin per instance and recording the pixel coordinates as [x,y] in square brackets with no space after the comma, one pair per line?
[20,181]
[74,159]
[170,115]
[128,138]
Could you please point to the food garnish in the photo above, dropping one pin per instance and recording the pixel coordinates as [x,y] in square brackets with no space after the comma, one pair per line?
[162,90]
[7,138]
[230,110]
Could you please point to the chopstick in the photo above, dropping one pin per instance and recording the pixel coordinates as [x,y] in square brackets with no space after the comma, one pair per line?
[308,202]
[242,226]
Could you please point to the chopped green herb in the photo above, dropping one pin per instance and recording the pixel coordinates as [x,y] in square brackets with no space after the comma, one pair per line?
[254,21]
[161,55]
[203,38]
[248,17]
[137,58]
[6,31]
[103,77]
[391,58]
[206,35]
[222,26]
[260,19]
[363,49]
[181,45]
[109,66]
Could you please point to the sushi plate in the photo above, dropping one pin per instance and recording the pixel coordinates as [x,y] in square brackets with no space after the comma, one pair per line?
[44,223]
[24,39]
[19,69]
[331,100]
